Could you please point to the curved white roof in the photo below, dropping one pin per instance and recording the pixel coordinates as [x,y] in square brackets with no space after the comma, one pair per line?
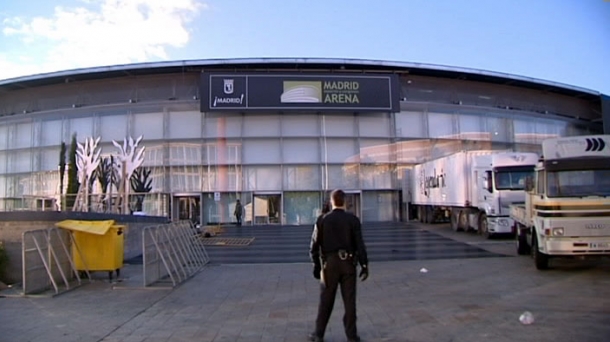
[304,62]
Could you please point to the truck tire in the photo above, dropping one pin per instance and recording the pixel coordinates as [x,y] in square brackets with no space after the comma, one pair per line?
[424,214]
[522,247]
[429,214]
[541,260]
[421,215]
[454,220]
[483,227]
[463,220]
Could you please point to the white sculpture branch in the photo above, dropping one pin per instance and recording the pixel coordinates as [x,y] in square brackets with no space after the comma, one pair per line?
[88,158]
[87,161]
[130,158]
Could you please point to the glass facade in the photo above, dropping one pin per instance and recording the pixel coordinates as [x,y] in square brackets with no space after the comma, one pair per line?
[280,165]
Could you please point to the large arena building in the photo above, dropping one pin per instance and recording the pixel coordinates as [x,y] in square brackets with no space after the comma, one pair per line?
[278,134]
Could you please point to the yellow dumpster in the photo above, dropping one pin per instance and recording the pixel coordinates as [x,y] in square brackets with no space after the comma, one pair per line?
[100,244]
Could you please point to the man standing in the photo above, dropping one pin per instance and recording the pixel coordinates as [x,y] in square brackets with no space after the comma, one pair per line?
[238,211]
[336,247]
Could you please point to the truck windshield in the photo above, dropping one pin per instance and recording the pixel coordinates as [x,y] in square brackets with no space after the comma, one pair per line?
[512,179]
[578,183]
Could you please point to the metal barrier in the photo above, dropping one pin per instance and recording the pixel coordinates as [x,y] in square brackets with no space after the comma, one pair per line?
[171,252]
[47,261]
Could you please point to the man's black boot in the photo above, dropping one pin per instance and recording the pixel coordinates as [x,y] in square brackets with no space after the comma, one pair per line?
[314,338]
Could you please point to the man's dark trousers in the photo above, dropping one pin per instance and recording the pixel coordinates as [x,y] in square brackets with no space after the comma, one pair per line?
[338,272]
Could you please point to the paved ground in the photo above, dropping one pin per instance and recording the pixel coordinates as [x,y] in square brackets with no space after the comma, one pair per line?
[458,299]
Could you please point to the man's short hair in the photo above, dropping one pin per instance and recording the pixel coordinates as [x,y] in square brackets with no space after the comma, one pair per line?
[338,197]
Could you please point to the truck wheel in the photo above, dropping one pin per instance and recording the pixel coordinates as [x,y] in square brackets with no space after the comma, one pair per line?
[522,247]
[483,227]
[463,220]
[454,220]
[429,214]
[420,214]
[540,259]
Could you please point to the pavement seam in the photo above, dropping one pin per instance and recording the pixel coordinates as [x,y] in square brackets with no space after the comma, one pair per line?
[135,316]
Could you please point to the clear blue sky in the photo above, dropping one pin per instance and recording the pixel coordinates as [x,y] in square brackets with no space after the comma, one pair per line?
[566,41]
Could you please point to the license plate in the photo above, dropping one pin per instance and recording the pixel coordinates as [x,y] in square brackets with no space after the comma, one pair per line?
[599,244]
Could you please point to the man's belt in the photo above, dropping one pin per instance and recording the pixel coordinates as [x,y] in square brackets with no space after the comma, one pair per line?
[344,255]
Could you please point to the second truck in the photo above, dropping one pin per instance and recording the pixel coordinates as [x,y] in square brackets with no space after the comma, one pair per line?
[473,189]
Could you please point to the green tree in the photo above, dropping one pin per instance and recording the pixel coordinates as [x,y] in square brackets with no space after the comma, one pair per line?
[73,184]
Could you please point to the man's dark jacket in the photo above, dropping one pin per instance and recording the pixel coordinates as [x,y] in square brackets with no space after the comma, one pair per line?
[337,230]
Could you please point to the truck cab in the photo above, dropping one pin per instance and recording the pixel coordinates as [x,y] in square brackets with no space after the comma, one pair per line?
[567,207]
[503,177]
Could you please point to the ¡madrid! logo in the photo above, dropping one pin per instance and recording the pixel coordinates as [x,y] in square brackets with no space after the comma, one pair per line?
[228,86]
[228,89]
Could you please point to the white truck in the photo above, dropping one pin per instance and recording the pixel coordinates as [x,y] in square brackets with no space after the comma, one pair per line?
[473,189]
[567,207]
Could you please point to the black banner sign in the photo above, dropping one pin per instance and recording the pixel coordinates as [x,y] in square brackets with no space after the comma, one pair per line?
[282,92]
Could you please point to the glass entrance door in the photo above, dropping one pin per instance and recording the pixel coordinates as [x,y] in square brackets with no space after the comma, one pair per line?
[188,208]
[352,203]
[267,209]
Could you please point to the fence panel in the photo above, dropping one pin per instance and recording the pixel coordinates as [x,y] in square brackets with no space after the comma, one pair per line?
[171,253]
[47,261]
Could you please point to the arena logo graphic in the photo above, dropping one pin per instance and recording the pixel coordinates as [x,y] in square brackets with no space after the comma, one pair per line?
[432,182]
[229,89]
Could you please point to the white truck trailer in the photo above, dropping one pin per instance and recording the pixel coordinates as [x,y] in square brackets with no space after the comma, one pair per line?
[567,207]
[473,189]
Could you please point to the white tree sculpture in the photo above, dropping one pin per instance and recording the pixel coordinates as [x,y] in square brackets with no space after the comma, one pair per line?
[87,160]
[129,158]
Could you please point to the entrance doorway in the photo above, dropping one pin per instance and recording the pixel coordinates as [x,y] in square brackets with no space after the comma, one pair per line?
[46,204]
[188,208]
[352,203]
[267,209]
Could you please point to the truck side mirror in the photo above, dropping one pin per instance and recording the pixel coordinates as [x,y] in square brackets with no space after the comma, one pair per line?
[529,183]
[488,181]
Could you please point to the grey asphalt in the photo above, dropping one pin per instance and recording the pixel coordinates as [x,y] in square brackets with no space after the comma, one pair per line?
[458,299]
